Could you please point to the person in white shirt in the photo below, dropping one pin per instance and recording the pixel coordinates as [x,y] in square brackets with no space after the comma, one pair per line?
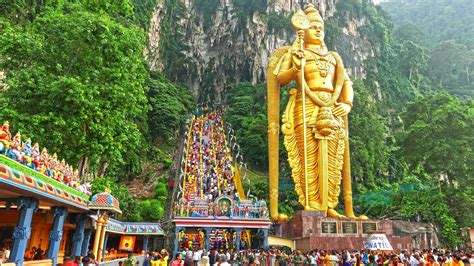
[222,260]
[415,260]
[197,256]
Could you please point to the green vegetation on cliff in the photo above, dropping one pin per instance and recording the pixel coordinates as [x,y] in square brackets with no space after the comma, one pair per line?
[443,28]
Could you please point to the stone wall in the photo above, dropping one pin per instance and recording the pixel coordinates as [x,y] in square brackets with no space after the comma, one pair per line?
[311,230]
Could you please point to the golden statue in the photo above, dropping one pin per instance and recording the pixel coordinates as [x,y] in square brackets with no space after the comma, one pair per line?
[314,123]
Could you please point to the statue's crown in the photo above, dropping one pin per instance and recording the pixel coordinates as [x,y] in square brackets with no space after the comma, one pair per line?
[313,15]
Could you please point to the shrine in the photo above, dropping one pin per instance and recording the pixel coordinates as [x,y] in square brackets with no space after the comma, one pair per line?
[47,214]
[213,210]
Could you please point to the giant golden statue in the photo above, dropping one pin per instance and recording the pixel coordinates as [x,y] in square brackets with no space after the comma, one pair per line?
[314,123]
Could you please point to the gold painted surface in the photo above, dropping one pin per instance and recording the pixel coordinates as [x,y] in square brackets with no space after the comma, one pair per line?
[314,123]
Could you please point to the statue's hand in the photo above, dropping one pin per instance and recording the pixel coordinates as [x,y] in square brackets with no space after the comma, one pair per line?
[341,109]
[296,58]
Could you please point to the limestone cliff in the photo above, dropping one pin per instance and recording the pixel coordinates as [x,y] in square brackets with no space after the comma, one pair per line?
[228,43]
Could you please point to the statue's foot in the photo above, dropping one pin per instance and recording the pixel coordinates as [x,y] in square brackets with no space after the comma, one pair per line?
[282,217]
[353,216]
[334,214]
[362,217]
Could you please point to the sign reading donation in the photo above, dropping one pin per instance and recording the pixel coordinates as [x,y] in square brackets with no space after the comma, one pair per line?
[377,242]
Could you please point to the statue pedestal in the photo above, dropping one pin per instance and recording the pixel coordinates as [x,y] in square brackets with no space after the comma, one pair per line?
[312,230]
[303,223]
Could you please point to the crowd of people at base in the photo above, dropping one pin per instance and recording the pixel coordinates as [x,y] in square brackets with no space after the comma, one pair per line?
[29,154]
[277,257]
[151,259]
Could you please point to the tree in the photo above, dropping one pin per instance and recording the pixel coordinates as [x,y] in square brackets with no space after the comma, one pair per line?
[246,113]
[413,59]
[439,136]
[449,64]
[368,137]
[170,105]
[76,84]
[438,139]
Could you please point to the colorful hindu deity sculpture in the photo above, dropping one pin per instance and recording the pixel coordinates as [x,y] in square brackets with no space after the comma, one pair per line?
[15,148]
[30,156]
[27,153]
[314,124]
[35,154]
[43,159]
[5,137]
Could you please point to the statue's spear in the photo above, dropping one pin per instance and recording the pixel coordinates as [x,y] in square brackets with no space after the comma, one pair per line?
[301,22]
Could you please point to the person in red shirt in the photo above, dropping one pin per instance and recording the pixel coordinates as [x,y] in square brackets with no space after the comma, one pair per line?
[178,261]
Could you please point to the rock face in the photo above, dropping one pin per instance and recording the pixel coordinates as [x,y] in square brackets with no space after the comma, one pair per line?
[226,47]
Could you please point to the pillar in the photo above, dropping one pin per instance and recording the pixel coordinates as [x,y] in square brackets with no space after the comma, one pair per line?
[208,237]
[176,240]
[56,234]
[98,231]
[155,243]
[85,242]
[265,239]
[104,247]
[102,239]
[237,239]
[27,207]
[78,237]
[145,244]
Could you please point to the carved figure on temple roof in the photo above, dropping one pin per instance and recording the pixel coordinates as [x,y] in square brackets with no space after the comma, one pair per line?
[27,152]
[15,148]
[5,137]
[175,209]
[35,154]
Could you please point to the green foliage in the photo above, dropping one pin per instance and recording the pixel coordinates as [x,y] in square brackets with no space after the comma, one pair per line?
[439,20]
[143,10]
[171,46]
[368,138]
[247,115]
[438,139]
[429,205]
[76,83]
[451,67]
[151,210]
[170,104]
[439,136]
[442,27]
[244,9]
[22,11]
[208,9]
[278,22]
[332,32]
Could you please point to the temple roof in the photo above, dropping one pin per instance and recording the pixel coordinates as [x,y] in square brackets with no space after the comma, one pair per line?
[131,228]
[18,180]
[104,201]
